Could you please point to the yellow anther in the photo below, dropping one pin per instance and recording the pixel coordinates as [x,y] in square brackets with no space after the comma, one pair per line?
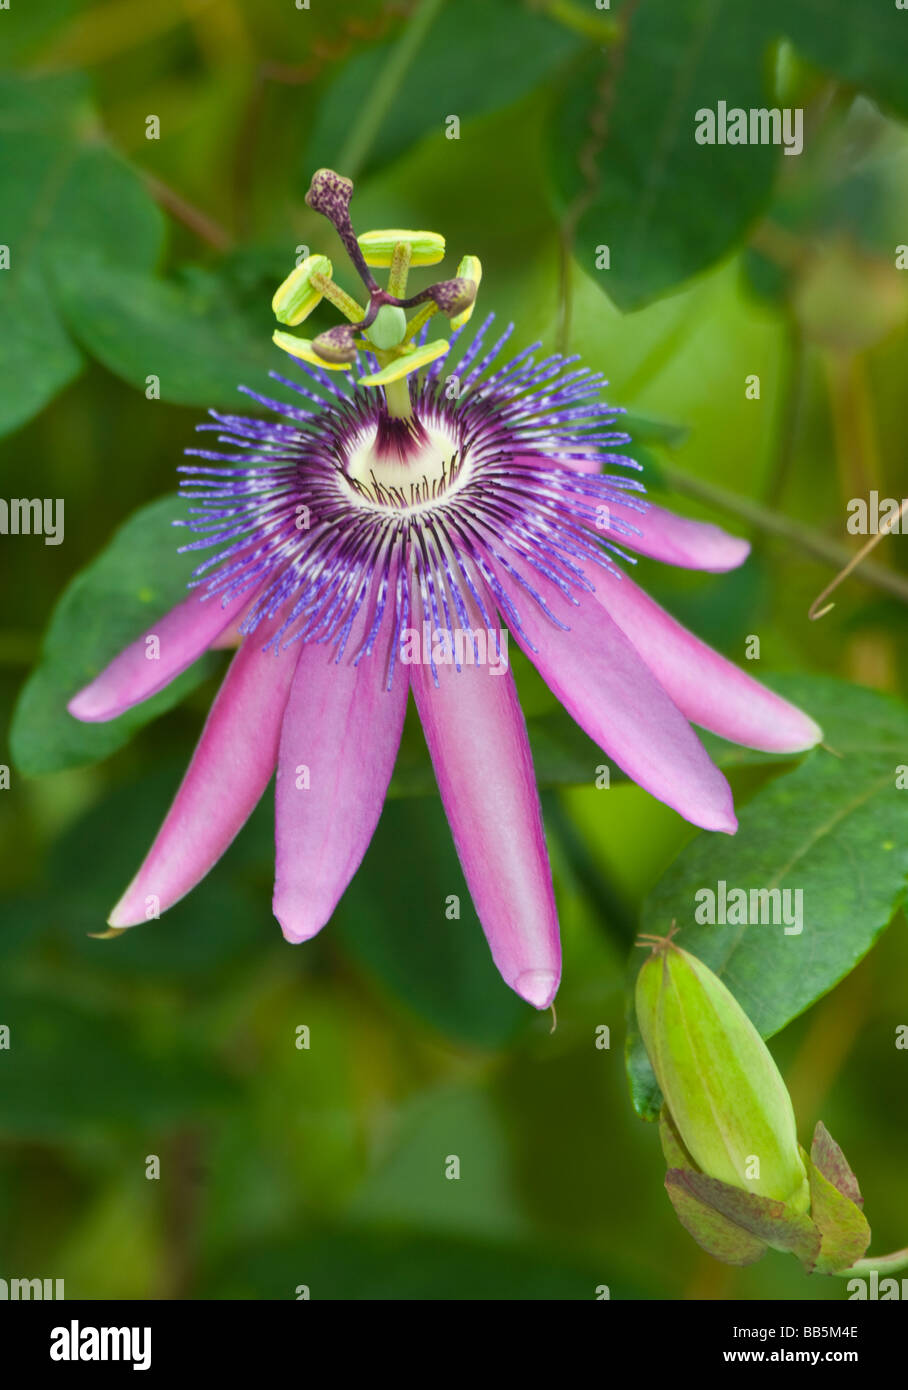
[295,299]
[407,364]
[426,248]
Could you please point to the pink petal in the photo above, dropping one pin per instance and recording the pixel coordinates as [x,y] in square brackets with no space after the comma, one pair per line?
[604,684]
[660,534]
[339,742]
[580,459]
[182,635]
[477,739]
[230,769]
[583,461]
[697,545]
[706,688]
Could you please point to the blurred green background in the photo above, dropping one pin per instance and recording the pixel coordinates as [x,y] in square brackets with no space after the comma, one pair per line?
[325,1167]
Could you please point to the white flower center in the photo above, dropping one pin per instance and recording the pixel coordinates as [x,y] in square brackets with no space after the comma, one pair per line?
[432,470]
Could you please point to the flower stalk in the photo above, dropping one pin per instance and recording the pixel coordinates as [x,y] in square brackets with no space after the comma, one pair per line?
[883,1264]
[397,398]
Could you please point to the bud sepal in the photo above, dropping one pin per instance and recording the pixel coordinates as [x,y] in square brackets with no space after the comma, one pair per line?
[738,1227]
[732,1225]
[835,1205]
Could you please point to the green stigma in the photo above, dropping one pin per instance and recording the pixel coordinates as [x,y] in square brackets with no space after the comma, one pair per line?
[383,327]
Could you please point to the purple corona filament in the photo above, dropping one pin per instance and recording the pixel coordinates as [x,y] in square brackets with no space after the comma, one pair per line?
[507,480]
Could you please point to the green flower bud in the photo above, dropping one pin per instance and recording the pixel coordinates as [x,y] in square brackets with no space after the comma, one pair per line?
[721,1086]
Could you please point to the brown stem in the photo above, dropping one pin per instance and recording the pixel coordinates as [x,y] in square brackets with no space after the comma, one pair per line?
[587,158]
[192,217]
[183,1175]
[815,611]
[803,537]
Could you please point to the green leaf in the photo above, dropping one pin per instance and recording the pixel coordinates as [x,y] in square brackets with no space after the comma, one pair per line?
[863,45]
[836,830]
[25,27]
[646,1094]
[350,1263]
[64,193]
[392,920]
[28,103]
[225,919]
[137,578]
[64,189]
[68,1068]
[405,1187]
[478,56]
[191,334]
[665,206]
[37,357]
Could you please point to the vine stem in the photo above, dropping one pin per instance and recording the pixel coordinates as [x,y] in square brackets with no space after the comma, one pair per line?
[587,156]
[883,1264]
[803,537]
[373,111]
[815,611]
[204,227]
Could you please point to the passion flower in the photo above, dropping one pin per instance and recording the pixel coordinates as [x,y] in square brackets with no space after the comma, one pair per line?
[390,500]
